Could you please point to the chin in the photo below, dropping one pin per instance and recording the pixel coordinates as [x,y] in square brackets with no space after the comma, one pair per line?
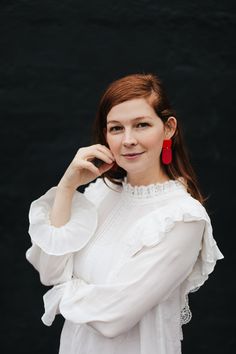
[134,170]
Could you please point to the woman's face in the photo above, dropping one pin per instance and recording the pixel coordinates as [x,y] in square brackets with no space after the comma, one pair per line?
[135,136]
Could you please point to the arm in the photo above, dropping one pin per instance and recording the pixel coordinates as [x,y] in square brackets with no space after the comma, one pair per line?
[81,171]
[61,209]
[144,281]
[54,269]
[53,247]
[63,220]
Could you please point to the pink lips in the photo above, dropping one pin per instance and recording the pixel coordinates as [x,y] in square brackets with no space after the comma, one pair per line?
[132,156]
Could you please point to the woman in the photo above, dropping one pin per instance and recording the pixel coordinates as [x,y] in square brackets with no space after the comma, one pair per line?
[124,255]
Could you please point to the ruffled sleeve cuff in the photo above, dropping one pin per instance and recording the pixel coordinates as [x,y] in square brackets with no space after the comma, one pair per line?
[72,236]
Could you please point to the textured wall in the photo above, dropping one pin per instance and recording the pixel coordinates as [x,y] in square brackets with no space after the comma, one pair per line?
[56,58]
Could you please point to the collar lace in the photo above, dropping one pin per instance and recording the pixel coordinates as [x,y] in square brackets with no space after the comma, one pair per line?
[154,189]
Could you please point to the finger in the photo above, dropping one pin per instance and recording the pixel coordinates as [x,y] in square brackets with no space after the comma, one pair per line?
[95,151]
[90,166]
[100,155]
[106,167]
[105,149]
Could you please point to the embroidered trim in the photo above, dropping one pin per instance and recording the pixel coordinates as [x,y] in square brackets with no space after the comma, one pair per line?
[152,189]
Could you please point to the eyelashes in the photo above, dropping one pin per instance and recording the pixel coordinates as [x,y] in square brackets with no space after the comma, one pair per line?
[114,129]
[118,127]
[143,124]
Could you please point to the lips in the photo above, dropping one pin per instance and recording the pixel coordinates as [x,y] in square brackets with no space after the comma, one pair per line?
[133,154]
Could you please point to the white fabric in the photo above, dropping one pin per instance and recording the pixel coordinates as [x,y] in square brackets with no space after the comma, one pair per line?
[122,275]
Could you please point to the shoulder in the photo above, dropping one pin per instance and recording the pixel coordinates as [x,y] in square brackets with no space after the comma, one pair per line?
[182,208]
[185,214]
[187,210]
[190,208]
[180,204]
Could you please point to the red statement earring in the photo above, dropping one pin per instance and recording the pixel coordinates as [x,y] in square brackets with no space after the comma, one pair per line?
[166,155]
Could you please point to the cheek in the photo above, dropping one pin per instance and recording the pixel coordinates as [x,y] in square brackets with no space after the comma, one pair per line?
[112,143]
[155,141]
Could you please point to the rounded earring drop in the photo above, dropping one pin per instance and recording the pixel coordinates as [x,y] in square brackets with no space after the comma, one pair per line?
[166,155]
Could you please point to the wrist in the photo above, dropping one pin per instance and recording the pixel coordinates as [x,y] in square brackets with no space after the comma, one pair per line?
[66,190]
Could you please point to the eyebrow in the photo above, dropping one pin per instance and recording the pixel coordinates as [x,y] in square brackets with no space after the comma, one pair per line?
[134,119]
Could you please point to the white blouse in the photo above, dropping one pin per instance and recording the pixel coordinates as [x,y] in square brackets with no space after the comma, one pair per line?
[122,266]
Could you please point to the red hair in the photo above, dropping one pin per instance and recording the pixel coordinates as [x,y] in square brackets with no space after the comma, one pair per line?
[146,86]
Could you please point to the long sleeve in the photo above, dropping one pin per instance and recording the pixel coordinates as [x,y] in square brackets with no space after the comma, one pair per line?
[52,269]
[52,247]
[145,280]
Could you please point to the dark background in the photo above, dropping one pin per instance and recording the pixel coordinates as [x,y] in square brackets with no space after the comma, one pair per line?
[56,59]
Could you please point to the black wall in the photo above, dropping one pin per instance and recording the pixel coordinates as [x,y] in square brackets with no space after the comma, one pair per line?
[56,59]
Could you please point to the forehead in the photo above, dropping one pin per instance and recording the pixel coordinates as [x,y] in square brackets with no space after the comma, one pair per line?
[131,109]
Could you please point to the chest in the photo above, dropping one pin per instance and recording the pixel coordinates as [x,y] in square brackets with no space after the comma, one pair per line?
[116,221]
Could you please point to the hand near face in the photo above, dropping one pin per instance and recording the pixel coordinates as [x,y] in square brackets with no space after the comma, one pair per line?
[89,163]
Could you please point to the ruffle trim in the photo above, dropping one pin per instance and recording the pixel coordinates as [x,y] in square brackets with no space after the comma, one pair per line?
[152,190]
[163,221]
[65,239]
[56,299]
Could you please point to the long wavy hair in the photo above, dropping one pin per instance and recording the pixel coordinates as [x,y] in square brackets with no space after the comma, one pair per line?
[150,87]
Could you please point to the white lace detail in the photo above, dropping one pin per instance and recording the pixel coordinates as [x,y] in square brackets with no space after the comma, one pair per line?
[185,314]
[152,189]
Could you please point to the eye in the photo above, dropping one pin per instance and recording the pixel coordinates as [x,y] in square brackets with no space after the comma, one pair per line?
[142,124]
[115,128]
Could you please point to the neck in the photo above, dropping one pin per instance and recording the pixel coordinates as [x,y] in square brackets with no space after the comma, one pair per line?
[145,179]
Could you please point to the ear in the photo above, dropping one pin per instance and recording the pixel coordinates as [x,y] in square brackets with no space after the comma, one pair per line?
[170,127]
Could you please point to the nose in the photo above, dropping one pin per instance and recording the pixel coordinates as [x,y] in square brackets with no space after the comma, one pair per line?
[129,138]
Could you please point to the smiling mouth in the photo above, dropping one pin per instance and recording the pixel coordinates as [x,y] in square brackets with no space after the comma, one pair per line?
[133,154]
